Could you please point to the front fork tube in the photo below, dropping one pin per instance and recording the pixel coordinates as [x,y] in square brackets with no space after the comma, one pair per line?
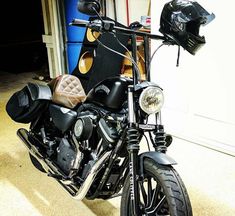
[133,150]
[134,192]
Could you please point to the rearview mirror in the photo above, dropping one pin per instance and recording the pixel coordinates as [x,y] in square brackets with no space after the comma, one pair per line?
[89,7]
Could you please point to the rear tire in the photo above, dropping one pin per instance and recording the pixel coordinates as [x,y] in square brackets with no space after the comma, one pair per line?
[162,192]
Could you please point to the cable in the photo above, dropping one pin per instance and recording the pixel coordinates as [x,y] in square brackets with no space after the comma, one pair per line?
[133,61]
[151,137]
[98,13]
[147,141]
[150,62]
[178,57]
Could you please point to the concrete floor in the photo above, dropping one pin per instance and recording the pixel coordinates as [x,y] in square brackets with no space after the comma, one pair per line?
[208,175]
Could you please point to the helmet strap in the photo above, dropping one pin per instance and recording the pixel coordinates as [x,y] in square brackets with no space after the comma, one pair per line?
[178,57]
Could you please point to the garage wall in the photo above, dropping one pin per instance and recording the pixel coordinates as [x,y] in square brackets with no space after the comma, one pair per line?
[53,37]
[136,9]
[200,100]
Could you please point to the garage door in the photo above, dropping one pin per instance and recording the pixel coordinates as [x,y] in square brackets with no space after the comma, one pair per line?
[200,100]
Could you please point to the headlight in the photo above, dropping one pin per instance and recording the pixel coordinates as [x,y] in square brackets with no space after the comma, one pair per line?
[151,100]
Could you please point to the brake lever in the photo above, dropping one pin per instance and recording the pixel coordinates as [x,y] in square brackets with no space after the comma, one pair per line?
[102,25]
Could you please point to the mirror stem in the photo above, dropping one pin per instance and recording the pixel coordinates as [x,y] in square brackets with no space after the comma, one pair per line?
[93,8]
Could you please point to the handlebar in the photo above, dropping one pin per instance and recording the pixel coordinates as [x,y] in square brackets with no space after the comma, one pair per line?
[80,22]
[108,26]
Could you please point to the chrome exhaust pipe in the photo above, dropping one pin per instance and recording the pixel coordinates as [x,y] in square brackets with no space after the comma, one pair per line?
[51,168]
[23,134]
[91,176]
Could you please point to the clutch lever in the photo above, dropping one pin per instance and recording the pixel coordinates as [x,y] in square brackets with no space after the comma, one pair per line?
[95,25]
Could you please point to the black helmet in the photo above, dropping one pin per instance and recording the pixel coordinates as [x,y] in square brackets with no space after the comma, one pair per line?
[181,20]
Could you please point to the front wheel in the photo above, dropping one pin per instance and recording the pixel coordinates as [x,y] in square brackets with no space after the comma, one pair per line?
[162,192]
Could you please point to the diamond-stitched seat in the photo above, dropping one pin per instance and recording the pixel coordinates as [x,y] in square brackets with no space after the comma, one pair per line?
[67,91]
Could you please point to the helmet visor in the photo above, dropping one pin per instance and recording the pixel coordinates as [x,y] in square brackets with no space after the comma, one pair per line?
[191,10]
[208,19]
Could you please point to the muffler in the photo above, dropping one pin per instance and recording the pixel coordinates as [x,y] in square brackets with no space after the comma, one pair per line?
[53,169]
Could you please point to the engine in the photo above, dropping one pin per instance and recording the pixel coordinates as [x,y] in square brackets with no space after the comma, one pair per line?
[66,155]
[90,137]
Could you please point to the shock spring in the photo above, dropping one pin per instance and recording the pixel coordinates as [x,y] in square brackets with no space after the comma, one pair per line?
[160,139]
[133,138]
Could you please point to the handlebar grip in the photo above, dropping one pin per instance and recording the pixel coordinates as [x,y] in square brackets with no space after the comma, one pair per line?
[79,22]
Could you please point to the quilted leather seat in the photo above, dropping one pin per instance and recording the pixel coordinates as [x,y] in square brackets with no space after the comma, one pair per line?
[67,91]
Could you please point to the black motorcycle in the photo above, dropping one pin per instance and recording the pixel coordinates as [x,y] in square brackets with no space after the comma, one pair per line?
[90,143]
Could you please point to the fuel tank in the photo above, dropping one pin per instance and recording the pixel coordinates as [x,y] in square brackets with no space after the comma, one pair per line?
[110,93]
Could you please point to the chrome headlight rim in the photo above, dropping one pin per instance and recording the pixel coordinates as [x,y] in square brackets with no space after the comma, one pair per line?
[160,98]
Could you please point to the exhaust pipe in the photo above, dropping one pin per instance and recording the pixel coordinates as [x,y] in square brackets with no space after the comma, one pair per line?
[51,168]
[23,134]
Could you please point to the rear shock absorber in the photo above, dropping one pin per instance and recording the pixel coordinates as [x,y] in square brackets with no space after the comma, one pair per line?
[160,139]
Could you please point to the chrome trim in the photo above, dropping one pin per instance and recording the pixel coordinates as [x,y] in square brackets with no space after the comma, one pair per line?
[99,147]
[79,155]
[131,111]
[91,176]
[105,133]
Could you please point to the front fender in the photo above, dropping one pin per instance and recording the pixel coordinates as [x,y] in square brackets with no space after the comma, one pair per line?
[158,157]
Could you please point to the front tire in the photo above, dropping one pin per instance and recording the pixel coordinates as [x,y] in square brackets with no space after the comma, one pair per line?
[162,192]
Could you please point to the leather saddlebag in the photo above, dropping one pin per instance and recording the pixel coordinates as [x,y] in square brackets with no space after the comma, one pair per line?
[28,103]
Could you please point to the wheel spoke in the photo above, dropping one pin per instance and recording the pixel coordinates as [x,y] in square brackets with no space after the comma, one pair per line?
[158,207]
[154,198]
[150,190]
[144,194]
[155,192]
